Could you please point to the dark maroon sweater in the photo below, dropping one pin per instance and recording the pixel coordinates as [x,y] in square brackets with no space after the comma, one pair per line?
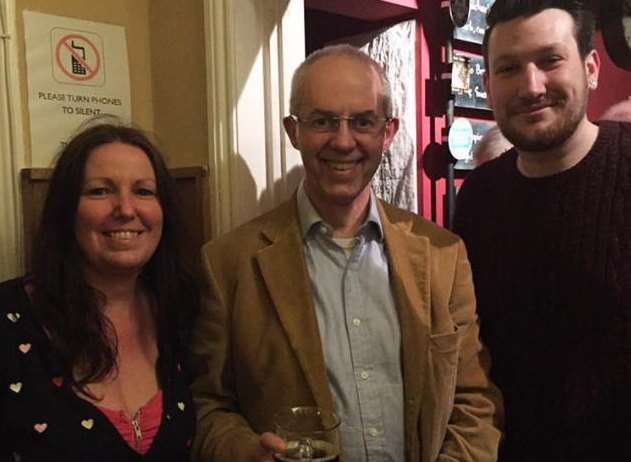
[551,260]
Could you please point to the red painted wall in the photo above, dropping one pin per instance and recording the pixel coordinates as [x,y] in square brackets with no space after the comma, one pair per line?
[431,105]
[614,83]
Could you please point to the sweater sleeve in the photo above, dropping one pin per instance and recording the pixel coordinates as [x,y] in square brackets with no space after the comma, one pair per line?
[465,206]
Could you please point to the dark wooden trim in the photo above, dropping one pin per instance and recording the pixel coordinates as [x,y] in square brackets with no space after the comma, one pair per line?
[192,187]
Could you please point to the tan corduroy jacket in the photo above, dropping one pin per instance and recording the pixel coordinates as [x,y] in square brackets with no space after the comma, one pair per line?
[258,347]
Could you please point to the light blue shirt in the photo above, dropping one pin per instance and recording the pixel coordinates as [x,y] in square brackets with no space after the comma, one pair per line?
[361,338]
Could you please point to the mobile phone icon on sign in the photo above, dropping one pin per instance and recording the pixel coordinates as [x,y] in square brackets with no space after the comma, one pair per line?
[77,67]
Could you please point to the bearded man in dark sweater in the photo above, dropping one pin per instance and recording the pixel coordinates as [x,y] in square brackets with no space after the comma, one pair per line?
[548,230]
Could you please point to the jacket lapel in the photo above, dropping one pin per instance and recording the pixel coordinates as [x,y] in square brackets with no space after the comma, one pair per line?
[286,277]
[408,255]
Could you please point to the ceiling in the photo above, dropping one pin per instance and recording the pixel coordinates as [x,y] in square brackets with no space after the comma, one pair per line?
[367,10]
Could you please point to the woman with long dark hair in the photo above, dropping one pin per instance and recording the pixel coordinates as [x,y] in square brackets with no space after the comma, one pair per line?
[93,342]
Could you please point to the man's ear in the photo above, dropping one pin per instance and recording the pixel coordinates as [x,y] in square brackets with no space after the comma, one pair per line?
[291,127]
[390,130]
[592,68]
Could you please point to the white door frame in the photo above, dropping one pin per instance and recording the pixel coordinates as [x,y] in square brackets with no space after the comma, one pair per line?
[11,146]
[252,50]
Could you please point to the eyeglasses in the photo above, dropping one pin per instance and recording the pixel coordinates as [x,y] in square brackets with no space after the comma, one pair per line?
[364,123]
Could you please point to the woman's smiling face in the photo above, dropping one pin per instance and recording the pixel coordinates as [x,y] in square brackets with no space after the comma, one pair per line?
[119,218]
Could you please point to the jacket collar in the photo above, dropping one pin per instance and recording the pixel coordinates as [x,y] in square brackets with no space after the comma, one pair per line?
[286,276]
[309,217]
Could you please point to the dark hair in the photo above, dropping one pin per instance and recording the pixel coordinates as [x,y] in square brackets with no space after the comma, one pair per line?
[68,307]
[507,10]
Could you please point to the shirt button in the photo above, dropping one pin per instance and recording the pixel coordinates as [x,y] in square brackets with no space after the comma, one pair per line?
[364,375]
[356,322]
[373,432]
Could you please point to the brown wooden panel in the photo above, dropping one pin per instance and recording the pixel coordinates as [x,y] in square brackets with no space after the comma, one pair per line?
[192,189]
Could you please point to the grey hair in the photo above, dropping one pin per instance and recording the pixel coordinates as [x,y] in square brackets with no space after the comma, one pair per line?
[297,81]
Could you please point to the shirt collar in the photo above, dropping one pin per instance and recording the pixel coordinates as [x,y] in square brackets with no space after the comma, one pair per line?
[309,216]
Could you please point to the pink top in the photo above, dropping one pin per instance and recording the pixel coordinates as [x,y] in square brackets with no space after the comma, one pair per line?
[139,431]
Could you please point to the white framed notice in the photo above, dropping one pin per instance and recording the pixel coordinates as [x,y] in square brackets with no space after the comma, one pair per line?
[76,70]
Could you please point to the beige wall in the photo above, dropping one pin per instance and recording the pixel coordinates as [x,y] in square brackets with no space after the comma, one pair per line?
[179,79]
[165,42]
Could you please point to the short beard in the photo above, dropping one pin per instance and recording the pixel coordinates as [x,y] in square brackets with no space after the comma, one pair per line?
[549,138]
[545,140]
